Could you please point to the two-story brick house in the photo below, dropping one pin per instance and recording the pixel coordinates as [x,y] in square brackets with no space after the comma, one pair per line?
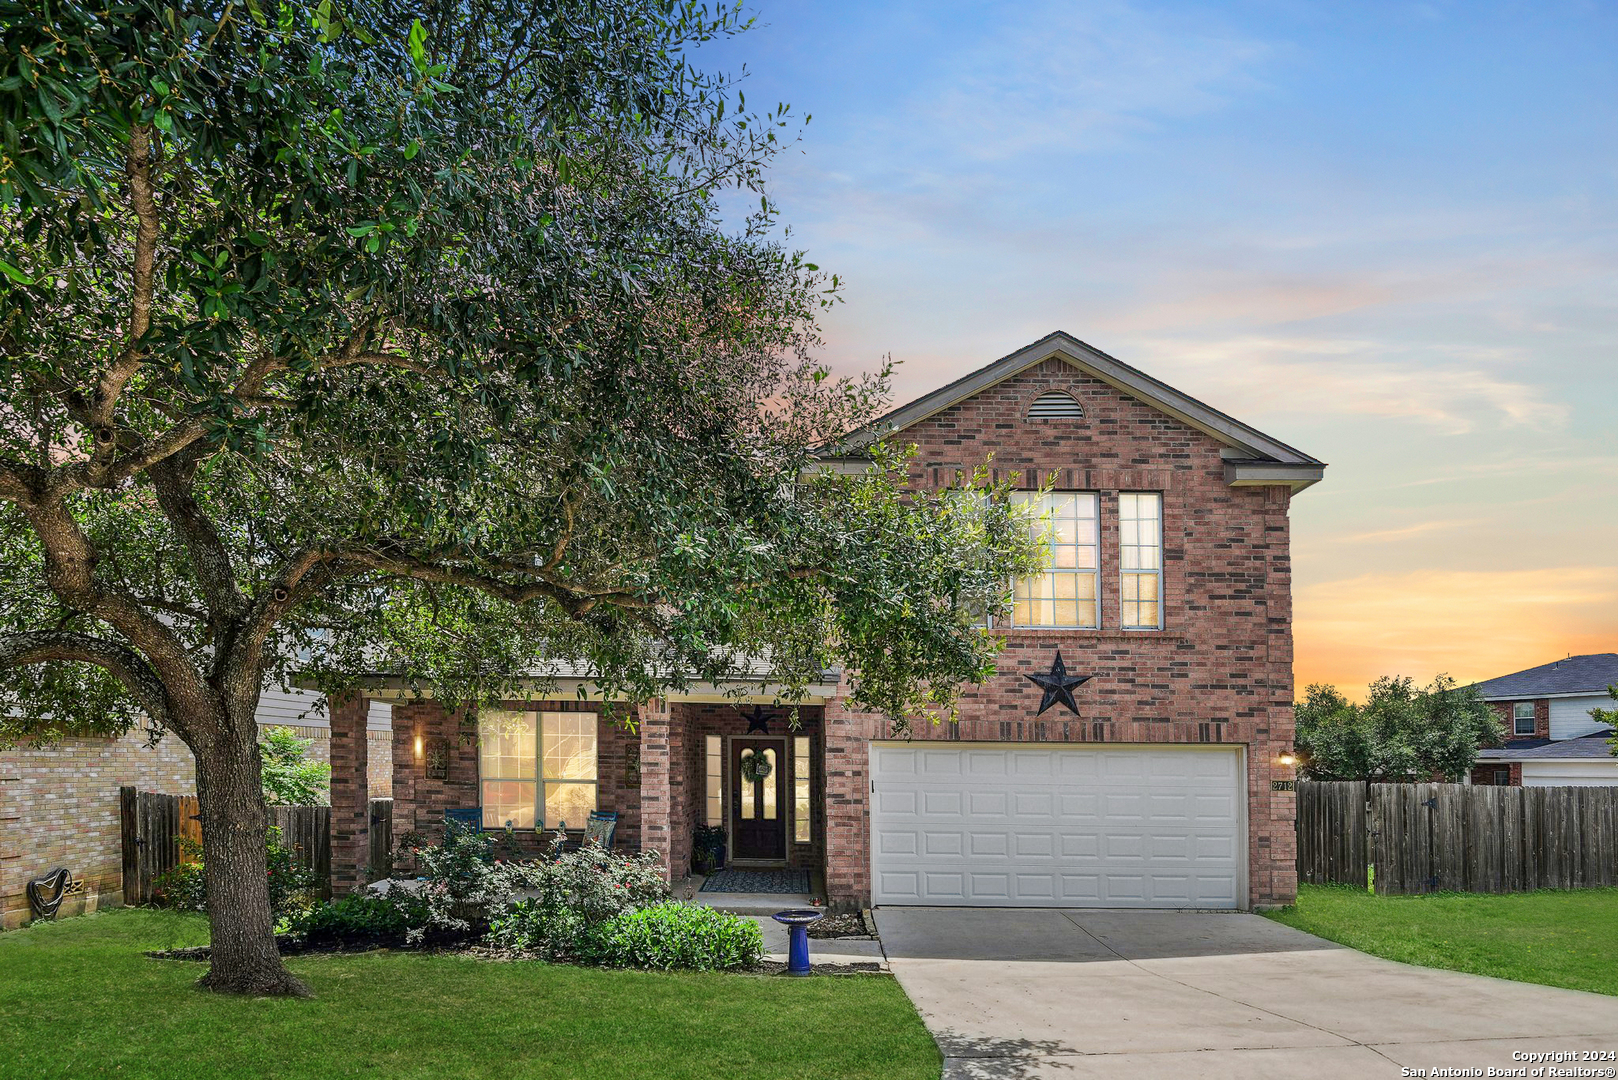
[1551,738]
[1165,784]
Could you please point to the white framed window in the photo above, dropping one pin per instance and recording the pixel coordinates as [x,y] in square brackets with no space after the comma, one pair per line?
[1067,593]
[537,769]
[713,790]
[1140,560]
[802,824]
[1522,718]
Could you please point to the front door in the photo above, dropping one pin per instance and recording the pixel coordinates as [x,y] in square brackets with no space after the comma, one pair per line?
[758,805]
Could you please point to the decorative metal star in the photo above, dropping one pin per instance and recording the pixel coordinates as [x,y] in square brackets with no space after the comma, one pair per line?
[1058,686]
[758,721]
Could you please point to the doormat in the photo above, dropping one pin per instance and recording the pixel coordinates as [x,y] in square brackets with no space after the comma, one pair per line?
[760,881]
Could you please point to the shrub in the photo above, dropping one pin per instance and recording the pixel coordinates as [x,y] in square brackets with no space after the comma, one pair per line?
[292,886]
[466,885]
[363,919]
[575,892]
[678,935]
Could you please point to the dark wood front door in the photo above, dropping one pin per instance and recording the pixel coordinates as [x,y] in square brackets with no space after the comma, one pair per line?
[758,808]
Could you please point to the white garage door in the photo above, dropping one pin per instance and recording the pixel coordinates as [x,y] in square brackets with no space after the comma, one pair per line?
[1042,826]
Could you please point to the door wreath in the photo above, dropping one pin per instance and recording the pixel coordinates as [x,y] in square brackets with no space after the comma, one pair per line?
[755,766]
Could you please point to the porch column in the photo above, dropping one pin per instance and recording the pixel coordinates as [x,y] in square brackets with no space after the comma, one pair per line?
[350,793]
[656,772]
[848,805]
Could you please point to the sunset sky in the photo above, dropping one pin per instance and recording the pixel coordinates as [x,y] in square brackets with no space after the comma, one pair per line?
[1384,233]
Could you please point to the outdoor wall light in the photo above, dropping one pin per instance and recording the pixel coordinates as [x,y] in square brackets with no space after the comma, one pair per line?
[418,748]
[1287,758]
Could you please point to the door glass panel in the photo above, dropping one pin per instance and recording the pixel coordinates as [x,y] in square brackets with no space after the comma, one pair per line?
[770,786]
[747,796]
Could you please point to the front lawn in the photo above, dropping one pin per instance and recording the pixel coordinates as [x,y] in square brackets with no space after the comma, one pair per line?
[1552,937]
[78,998]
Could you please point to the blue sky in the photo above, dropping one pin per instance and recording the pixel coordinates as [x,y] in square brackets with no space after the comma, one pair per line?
[1385,233]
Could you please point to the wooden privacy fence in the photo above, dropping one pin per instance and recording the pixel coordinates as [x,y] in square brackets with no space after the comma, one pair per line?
[151,825]
[1331,832]
[1421,838]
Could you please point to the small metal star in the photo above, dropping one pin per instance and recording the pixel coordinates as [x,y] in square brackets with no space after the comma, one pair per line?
[1058,686]
[758,721]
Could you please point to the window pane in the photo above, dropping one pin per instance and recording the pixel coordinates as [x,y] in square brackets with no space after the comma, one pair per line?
[747,798]
[505,744]
[568,805]
[1140,559]
[769,783]
[506,801]
[568,740]
[714,791]
[1068,525]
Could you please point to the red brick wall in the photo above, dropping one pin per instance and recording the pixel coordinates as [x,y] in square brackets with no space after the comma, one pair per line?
[1484,774]
[1506,710]
[1219,672]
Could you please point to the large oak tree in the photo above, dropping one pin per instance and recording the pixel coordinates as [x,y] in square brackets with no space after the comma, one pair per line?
[377,337]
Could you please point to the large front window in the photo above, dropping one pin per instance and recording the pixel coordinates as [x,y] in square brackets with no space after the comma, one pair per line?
[1065,593]
[537,767]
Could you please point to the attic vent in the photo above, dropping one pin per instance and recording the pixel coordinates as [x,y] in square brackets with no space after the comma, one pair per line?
[1054,405]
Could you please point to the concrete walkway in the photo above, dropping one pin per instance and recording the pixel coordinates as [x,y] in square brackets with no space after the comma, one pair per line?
[1045,993]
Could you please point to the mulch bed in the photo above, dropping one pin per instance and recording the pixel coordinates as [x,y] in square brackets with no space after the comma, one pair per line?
[841,926]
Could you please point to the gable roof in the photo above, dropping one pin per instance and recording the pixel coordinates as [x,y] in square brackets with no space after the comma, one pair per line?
[1589,674]
[1252,457]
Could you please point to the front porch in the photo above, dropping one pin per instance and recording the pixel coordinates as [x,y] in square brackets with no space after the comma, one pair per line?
[753,770]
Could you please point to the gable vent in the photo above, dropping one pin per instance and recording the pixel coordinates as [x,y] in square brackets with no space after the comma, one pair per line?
[1054,405]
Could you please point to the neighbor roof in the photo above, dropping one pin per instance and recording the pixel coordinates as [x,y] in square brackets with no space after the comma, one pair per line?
[1593,745]
[1590,674]
[1253,458]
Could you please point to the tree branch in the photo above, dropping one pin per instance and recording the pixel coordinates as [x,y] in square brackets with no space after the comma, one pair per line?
[124,663]
[138,168]
[171,478]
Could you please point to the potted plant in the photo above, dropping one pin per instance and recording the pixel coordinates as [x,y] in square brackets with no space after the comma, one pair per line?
[707,849]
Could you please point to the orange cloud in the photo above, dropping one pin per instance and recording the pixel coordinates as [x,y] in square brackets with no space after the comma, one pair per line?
[1471,624]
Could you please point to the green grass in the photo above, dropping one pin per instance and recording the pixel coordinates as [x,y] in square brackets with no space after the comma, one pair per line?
[1551,937]
[77,998]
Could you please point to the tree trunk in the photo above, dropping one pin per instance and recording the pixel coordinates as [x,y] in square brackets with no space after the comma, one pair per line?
[229,793]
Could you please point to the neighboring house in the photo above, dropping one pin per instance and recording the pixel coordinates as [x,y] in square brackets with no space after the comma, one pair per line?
[59,802]
[1169,599]
[1551,739]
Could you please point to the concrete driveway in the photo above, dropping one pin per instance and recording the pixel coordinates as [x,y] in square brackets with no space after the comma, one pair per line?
[1046,993]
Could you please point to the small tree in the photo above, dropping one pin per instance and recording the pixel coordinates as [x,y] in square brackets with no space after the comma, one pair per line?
[1401,733]
[290,778]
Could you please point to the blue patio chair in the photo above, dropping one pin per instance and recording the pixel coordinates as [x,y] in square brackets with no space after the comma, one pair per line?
[471,818]
[602,828]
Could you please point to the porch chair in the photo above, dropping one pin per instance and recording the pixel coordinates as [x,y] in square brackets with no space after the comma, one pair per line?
[602,828]
[470,817]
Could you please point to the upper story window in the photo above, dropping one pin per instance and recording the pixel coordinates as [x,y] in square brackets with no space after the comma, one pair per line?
[1066,593]
[1140,560]
[1522,718]
[1055,405]
[537,768]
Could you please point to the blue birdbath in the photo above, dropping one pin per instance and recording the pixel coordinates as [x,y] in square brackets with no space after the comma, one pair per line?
[797,923]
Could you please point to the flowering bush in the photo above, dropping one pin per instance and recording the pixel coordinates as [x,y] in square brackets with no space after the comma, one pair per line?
[677,935]
[575,892]
[466,885]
